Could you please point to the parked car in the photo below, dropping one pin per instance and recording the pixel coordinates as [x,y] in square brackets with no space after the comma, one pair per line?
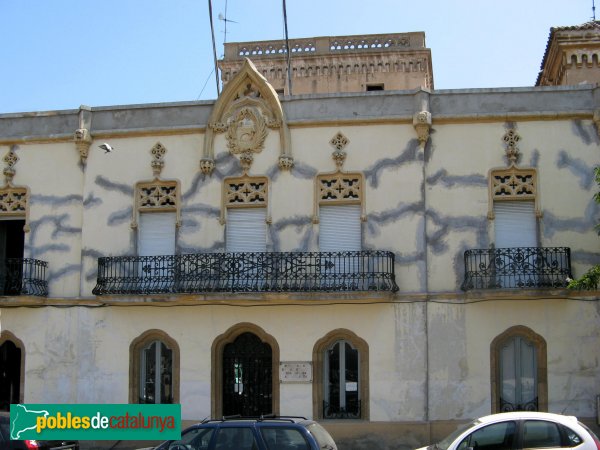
[7,444]
[520,430]
[264,433]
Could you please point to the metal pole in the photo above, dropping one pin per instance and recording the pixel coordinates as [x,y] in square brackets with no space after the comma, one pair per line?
[212,32]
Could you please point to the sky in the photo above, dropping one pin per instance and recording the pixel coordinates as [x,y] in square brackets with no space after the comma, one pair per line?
[60,54]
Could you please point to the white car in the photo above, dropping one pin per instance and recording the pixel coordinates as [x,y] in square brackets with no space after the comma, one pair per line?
[518,431]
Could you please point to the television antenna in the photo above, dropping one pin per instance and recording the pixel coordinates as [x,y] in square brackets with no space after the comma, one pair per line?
[225,19]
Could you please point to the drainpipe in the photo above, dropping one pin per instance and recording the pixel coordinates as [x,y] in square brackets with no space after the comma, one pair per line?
[422,124]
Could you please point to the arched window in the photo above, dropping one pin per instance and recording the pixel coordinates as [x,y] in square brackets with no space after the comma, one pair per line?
[519,368]
[341,387]
[12,370]
[245,372]
[154,374]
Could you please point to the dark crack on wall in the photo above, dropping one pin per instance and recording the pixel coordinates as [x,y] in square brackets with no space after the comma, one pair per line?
[56,200]
[392,215]
[59,227]
[584,257]
[303,171]
[554,224]
[119,217]
[446,224]
[92,201]
[442,177]
[108,185]
[409,154]
[535,158]
[587,133]
[216,247]
[64,271]
[298,222]
[577,167]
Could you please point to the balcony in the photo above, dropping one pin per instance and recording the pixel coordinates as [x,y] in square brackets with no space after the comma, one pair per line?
[517,268]
[23,276]
[247,272]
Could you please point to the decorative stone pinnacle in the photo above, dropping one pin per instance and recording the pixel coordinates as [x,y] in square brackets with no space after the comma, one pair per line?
[511,138]
[207,166]
[10,159]
[286,162]
[339,141]
[83,141]
[158,153]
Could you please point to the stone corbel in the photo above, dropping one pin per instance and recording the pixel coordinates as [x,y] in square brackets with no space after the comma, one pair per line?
[82,136]
[83,141]
[422,124]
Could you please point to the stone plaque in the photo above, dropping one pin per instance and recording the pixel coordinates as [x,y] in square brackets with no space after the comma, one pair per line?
[295,372]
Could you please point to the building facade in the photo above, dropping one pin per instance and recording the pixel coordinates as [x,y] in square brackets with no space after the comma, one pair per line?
[388,263]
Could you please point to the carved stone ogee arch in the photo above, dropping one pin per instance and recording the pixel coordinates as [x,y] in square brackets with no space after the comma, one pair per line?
[217,363]
[318,363]
[542,364]
[134,362]
[6,336]
[248,94]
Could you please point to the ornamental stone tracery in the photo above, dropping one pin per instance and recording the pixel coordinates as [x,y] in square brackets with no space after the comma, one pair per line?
[245,111]
[244,192]
[512,183]
[14,200]
[157,195]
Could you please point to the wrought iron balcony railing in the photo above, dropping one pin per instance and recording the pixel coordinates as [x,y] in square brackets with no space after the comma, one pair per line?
[247,272]
[23,276]
[518,267]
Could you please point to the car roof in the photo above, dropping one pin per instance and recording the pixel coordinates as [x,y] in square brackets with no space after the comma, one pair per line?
[527,415]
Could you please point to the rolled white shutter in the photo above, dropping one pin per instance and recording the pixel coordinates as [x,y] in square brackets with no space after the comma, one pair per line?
[339,228]
[156,234]
[515,224]
[246,230]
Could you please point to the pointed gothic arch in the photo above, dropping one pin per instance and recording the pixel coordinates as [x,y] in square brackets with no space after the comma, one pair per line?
[12,363]
[250,99]
[217,359]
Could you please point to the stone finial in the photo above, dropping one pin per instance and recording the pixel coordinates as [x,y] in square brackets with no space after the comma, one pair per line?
[339,142]
[286,162]
[422,123]
[207,166]
[10,159]
[511,138]
[246,160]
[158,162]
[83,141]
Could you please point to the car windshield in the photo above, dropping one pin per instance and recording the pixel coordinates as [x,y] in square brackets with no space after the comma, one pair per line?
[445,443]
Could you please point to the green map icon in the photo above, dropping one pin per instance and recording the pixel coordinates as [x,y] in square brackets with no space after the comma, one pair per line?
[23,419]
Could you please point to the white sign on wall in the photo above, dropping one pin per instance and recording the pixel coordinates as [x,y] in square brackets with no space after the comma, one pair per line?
[295,372]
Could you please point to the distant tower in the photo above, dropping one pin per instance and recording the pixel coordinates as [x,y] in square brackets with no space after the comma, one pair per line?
[337,64]
[572,56]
